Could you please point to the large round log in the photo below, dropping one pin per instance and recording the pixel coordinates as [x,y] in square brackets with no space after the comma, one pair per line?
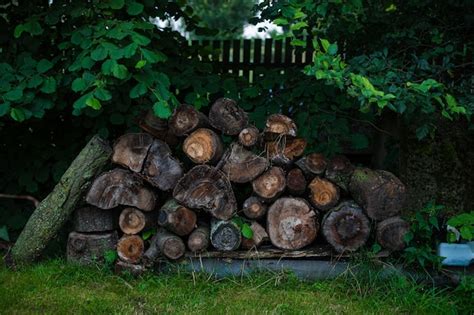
[254,208]
[87,248]
[177,218]
[270,184]
[130,248]
[130,150]
[241,165]
[339,170]
[278,125]
[225,235]
[249,136]
[380,193]
[158,128]
[291,223]
[203,146]
[92,219]
[391,233]
[323,194]
[346,227]
[133,221]
[284,151]
[207,188]
[165,243]
[313,164]
[296,182]
[186,119]
[225,115]
[258,238]
[198,240]
[120,187]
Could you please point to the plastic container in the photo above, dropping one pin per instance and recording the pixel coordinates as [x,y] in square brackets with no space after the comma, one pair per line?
[456,254]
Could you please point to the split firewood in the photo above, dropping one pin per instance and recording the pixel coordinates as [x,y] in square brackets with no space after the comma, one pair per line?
[380,193]
[87,248]
[122,267]
[177,218]
[130,248]
[225,115]
[241,165]
[296,182]
[391,233]
[225,235]
[258,238]
[166,244]
[131,150]
[186,119]
[339,170]
[133,221]
[254,208]
[249,136]
[203,146]
[291,223]
[284,151]
[346,227]
[92,219]
[120,187]
[207,188]
[198,240]
[270,184]
[158,128]
[313,164]
[279,125]
[324,195]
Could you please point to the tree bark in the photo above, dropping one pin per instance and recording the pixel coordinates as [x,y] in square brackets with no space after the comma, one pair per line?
[225,115]
[291,223]
[225,235]
[241,165]
[296,182]
[176,218]
[167,244]
[86,248]
[324,195]
[158,128]
[270,184]
[198,240]
[391,233]
[258,238]
[122,267]
[279,125]
[207,188]
[92,219]
[346,227]
[380,193]
[133,221]
[313,164]
[186,119]
[203,146]
[130,248]
[131,150]
[339,170]
[285,151]
[249,136]
[254,208]
[55,209]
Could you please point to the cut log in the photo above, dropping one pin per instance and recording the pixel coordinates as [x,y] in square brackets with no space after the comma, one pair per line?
[339,170]
[55,209]
[291,223]
[130,248]
[323,194]
[186,119]
[120,187]
[254,208]
[284,151]
[225,115]
[380,193]
[391,233]
[313,164]
[249,136]
[158,128]
[122,267]
[92,219]
[259,237]
[346,227]
[203,146]
[270,184]
[198,240]
[130,150]
[241,165]
[207,188]
[176,218]
[133,221]
[90,248]
[166,244]
[296,182]
[279,125]
[225,235]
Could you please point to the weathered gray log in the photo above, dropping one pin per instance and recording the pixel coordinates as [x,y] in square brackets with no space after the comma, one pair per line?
[296,182]
[270,184]
[284,151]
[130,248]
[130,150]
[339,170]
[249,136]
[346,227]
[225,235]
[313,164]
[203,146]
[177,218]
[241,165]
[133,221]
[87,248]
[198,240]
[55,209]
[391,233]
[254,208]
[92,219]
[278,126]
[122,267]
[292,223]
[225,115]
[166,244]
[158,128]
[258,238]
[323,194]
[186,119]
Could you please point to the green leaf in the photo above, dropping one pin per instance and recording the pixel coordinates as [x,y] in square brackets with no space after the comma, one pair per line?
[332,50]
[130,50]
[14,95]
[297,26]
[102,94]
[49,85]
[4,233]
[280,21]
[116,4]
[298,42]
[138,90]
[80,103]
[78,85]
[108,66]
[119,71]
[43,66]
[18,114]
[162,109]
[466,232]
[140,39]
[422,131]
[325,43]
[93,103]
[98,54]
[247,231]
[134,8]
[4,108]
[140,64]
[35,81]
[148,233]
[152,56]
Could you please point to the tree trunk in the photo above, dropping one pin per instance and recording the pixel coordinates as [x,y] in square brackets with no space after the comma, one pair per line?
[176,218]
[122,267]
[225,235]
[133,221]
[346,227]
[92,219]
[158,128]
[130,248]
[258,238]
[279,125]
[296,182]
[291,223]
[313,164]
[241,165]
[120,187]
[270,184]
[198,240]
[186,119]
[249,136]
[284,151]
[339,170]
[86,248]
[254,208]
[203,146]
[55,209]
[225,115]
[207,188]
[391,233]
[324,195]
[167,244]
[380,193]
[131,150]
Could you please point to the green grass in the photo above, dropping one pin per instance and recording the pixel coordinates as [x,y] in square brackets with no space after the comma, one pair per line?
[57,287]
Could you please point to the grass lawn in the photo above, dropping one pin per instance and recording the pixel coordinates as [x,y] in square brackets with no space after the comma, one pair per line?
[57,287]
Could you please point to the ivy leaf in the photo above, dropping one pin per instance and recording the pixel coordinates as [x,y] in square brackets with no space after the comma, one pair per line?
[162,109]
[107,66]
[119,71]
[14,95]
[98,54]
[49,85]
[134,8]
[35,81]
[140,64]
[153,57]
[102,94]
[78,85]
[247,231]
[18,114]
[298,26]
[325,43]
[93,103]
[138,90]
[140,39]
[43,66]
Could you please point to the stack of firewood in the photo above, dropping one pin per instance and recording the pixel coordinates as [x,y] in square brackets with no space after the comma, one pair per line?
[258,189]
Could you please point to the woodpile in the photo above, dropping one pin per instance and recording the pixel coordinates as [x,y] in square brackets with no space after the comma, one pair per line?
[256,189]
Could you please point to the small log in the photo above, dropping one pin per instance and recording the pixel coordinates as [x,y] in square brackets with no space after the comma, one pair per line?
[270,184]
[241,165]
[203,146]
[92,219]
[158,128]
[186,119]
[225,235]
[380,193]
[130,150]
[166,244]
[249,136]
[207,188]
[291,223]
[198,240]
[279,125]
[391,233]
[284,151]
[133,221]
[313,164]
[90,248]
[176,218]
[130,248]
[339,170]
[324,195]
[254,208]
[296,182]
[225,115]
[120,187]
[346,227]
[259,237]
[135,270]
